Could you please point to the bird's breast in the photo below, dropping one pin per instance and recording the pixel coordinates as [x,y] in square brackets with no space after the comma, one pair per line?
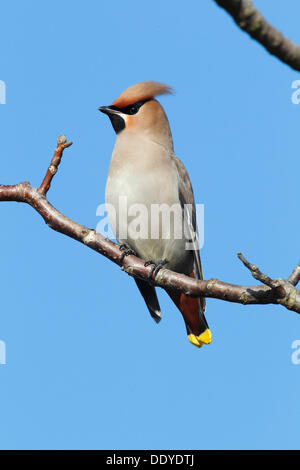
[143,172]
[142,197]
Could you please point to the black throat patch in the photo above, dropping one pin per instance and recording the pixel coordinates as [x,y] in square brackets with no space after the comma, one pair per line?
[117,122]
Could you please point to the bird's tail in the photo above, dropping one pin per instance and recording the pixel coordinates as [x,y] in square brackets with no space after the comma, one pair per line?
[192,311]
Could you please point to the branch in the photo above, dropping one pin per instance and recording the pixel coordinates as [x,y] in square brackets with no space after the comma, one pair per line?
[295,276]
[248,18]
[62,144]
[279,291]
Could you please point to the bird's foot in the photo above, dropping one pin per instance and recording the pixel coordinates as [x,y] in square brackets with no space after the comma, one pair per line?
[157,266]
[126,251]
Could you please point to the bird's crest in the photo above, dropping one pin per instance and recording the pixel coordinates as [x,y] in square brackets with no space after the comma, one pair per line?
[141,91]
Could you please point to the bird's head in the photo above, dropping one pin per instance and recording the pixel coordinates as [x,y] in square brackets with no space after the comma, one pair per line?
[137,111]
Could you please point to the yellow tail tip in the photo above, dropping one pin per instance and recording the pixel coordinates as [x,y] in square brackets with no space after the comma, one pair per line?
[194,340]
[204,338]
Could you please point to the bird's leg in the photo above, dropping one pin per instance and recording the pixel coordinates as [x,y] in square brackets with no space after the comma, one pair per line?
[157,266]
[126,251]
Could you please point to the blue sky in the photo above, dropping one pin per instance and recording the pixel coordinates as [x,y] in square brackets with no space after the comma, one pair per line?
[86,366]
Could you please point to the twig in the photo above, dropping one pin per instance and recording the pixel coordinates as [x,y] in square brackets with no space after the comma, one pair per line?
[62,144]
[276,284]
[295,276]
[248,18]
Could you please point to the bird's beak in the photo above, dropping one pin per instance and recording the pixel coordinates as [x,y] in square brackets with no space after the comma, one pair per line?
[108,110]
[117,119]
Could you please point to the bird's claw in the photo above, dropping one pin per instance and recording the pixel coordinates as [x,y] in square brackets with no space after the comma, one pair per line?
[126,251]
[157,266]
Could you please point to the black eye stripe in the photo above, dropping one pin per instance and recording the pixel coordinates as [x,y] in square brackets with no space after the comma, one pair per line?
[132,108]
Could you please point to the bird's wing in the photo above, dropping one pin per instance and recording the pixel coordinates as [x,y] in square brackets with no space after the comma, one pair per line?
[186,196]
[149,294]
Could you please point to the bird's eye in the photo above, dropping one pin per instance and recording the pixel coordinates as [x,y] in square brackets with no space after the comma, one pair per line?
[133,109]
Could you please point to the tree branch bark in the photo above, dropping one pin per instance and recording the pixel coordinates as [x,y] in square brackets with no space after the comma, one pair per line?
[278,291]
[62,144]
[248,18]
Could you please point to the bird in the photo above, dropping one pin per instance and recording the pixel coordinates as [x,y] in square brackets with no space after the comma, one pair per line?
[145,173]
